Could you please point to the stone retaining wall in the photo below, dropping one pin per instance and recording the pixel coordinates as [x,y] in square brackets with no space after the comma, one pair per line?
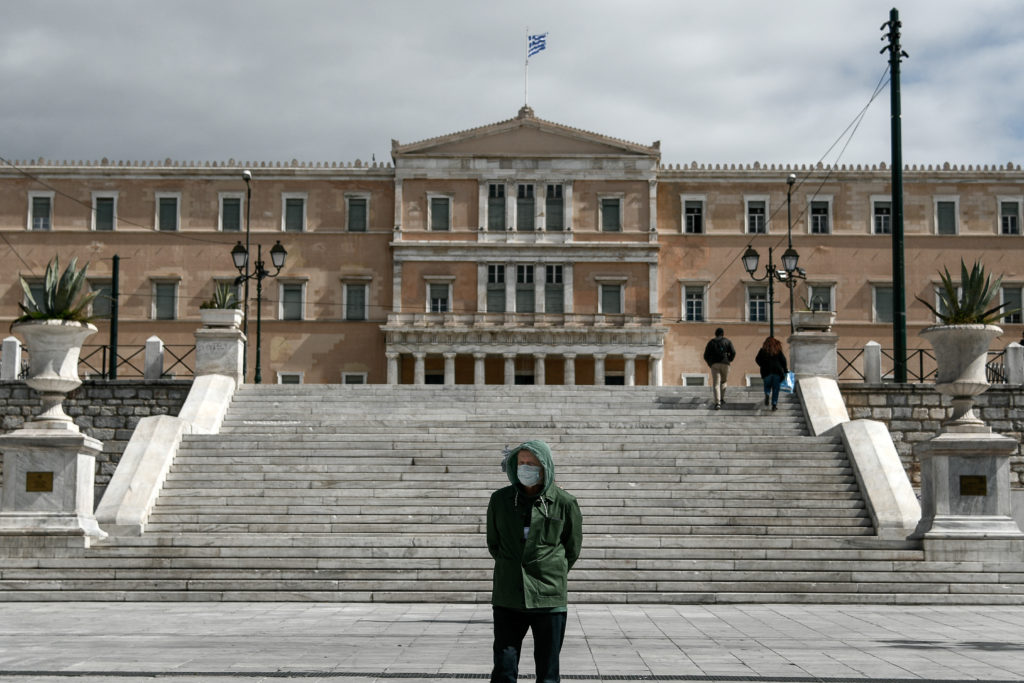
[103,409]
[914,412]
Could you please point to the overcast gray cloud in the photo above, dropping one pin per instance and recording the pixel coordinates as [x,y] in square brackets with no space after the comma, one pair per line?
[729,81]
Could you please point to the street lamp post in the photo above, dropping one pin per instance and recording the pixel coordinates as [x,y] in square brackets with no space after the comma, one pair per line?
[240,256]
[247,177]
[790,272]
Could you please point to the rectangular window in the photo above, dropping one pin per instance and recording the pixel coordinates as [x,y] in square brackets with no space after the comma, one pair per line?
[819,218]
[294,218]
[40,212]
[496,288]
[440,213]
[554,290]
[611,299]
[357,213]
[757,304]
[165,300]
[230,213]
[693,303]
[438,294]
[103,213]
[554,209]
[103,303]
[289,378]
[353,378]
[1009,218]
[167,213]
[525,293]
[611,214]
[693,216]
[694,380]
[945,217]
[525,208]
[757,216]
[819,297]
[355,301]
[292,301]
[496,207]
[882,303]
[882,218]
[37,289]
[1012,300]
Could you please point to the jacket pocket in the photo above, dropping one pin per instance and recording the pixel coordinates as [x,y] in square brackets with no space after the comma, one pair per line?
[551,534]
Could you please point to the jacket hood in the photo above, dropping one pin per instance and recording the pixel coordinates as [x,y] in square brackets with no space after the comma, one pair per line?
[543,453]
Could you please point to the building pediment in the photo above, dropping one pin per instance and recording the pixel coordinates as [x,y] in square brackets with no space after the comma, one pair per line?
[524,135]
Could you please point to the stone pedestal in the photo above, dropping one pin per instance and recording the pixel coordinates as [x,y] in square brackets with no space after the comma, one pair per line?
[219,351]
[48,484]
[965,494]
[813,354]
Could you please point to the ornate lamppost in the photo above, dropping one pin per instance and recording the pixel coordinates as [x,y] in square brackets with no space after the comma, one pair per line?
[240,256]
[790,272]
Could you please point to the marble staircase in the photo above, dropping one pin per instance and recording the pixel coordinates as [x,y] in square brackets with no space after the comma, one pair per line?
[378,493]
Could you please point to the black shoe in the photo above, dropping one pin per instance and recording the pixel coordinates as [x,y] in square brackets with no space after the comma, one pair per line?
[774,407]
[718,406]
[766,399]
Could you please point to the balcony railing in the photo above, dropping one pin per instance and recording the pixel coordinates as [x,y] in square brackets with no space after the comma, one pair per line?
[177,362]
[572,320]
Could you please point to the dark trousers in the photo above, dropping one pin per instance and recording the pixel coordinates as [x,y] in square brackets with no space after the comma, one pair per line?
[771,386]
[510,628]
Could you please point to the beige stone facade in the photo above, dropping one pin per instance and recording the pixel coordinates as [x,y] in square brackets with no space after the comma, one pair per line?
[522,251]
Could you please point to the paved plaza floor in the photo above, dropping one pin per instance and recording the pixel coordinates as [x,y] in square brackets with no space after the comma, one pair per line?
[251,642]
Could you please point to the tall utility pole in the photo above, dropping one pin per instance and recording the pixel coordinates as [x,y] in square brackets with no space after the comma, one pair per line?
[115,286]
[899,302]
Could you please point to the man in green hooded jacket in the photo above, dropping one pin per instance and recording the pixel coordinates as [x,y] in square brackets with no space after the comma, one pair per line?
[534,534]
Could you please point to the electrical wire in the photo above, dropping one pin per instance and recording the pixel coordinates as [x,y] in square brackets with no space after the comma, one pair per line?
[851,128]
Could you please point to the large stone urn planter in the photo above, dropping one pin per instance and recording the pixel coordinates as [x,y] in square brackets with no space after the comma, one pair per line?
[221,317]
[49,465]
[961,353]
[54,347]
[816,321]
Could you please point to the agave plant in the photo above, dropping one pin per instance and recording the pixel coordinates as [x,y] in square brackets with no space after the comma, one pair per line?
[223,297]
[971,305]
[63,297]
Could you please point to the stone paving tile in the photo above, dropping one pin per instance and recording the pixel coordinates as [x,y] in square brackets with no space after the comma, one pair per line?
[248,641]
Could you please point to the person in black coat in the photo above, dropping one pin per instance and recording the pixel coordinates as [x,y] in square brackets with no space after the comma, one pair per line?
[772,362]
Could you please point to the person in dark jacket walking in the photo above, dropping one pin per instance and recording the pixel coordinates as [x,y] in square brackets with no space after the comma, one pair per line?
[718,354]
[772,362]
[534,534]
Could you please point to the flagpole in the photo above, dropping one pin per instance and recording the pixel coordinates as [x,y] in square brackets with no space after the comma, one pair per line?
[526,69]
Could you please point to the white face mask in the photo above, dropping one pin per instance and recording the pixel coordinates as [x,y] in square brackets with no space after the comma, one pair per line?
[528,475]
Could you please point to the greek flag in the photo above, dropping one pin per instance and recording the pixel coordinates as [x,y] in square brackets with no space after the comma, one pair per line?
[535,44]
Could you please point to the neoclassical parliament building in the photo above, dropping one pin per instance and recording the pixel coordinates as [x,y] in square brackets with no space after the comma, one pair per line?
[520,252]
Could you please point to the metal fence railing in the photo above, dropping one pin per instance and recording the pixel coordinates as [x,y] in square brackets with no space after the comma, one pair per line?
[921,366]
[177,362]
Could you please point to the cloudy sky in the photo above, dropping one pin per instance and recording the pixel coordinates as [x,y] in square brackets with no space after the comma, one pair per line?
[727,81]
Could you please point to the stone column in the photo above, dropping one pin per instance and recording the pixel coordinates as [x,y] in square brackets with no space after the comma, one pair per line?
[538,369]
[219,351]
[392,366]
[48,484]
[599,368]
[479,373]
[418,372]
[655,371]
[813,354]
[570,369]
[510,368]
[872,363]
[1014,363]
[10,365]
[449,367]
[155,358]
[630,369]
